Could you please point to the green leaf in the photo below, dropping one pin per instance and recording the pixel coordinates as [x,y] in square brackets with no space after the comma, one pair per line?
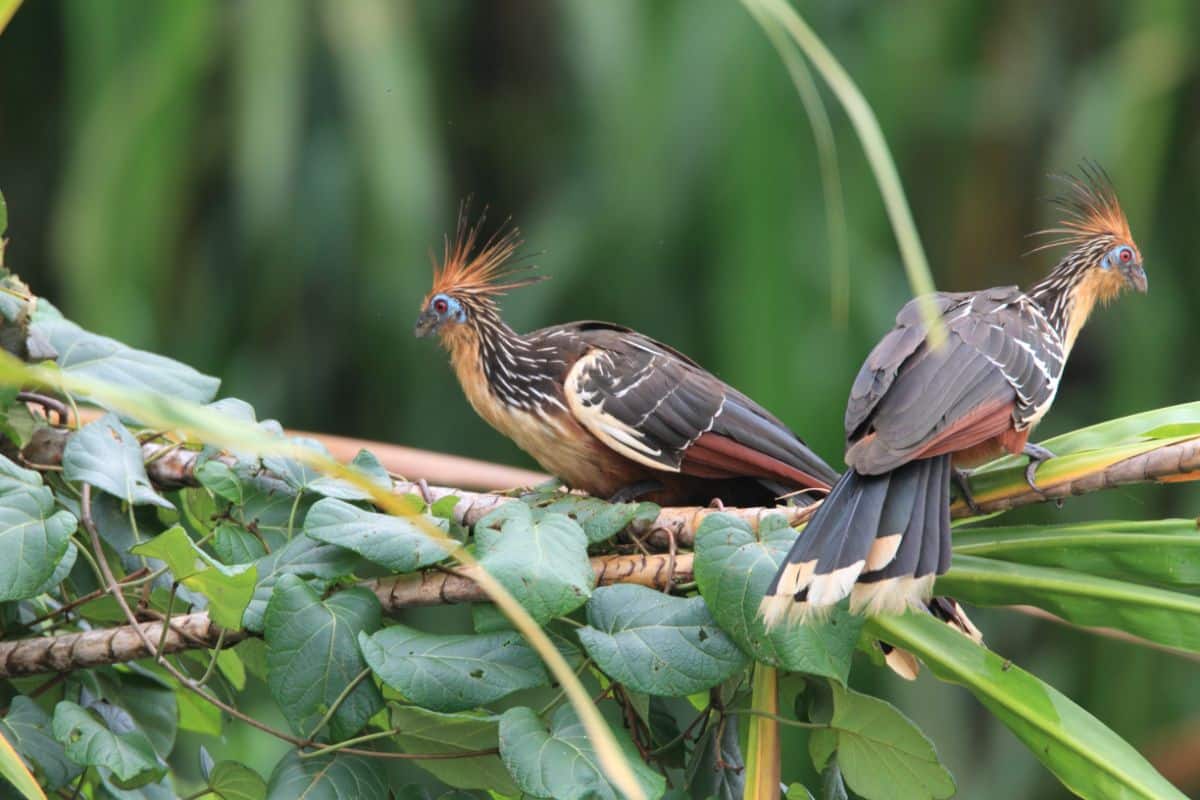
[452,672]
[333,777]
[27,728]
[366,462]
[544,564]
[234,781]
[61,571]
[145,700]
[397,543]
[716,768]
[272,509]
[313,655]
[236,545]
[1131,429]
[655,643]
[1090,760]
[105,454]
[1162,553]
[881,753]
[562,763]
[89,355]
[221,480]
[34,535]
[302,477]
[302,556]
[87,741]
[228,589]
[1162,616]
[421,731]
[600,519]
[733,569]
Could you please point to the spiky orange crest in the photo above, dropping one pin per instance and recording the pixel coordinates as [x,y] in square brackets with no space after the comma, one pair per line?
[480,267]
[1091,210]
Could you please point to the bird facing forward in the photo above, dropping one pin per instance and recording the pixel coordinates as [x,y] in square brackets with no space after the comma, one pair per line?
[916,412]
[602,407]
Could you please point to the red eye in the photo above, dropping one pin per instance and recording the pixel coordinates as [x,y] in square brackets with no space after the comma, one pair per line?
[1126,255]
[440,305]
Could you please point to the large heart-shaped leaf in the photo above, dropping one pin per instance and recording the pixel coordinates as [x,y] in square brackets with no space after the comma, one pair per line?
[880,752]
[544,564]
[398,543]
[89,742]
[105,454]
[1163,616]
[228,589]
[1090,760]
[452,672]
[657,644]
[562,763]
[734,566]
[302,556]
[33,534]
[92,356]
[422,731]
[313,655]
[331,777]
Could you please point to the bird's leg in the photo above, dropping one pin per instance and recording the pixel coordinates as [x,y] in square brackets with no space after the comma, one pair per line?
[961,480]
[1037,454]
[631,492]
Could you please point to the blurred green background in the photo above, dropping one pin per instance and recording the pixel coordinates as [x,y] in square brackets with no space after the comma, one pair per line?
[254,188]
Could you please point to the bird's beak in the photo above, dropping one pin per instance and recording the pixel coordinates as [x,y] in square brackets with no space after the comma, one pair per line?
[427,323]
[1137,278]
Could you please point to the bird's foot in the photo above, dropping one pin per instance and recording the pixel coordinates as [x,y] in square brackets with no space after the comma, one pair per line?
[1037,454]
[961,478]
[630,493]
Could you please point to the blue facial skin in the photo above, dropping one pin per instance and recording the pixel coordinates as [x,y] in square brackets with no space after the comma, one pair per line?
[441,308]
[1125,260]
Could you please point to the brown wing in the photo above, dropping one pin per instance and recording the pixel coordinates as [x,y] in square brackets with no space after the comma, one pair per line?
[659,408]
[998,370]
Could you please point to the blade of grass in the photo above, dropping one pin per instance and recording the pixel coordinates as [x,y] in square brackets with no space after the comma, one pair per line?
[7,9]
[878,154]
[831,181]
[168,413]
[762,748]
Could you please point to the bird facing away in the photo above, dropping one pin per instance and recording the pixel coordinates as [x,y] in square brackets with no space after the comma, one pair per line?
[602,407]
[917,412]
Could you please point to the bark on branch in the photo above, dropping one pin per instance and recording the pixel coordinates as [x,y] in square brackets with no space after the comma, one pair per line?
[98,647]
[1174,462]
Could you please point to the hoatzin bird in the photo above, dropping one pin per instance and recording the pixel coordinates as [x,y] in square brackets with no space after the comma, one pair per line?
[917,412]
[602,407]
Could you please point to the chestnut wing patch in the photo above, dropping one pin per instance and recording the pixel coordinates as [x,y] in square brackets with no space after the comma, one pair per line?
[661,410]
[997,370]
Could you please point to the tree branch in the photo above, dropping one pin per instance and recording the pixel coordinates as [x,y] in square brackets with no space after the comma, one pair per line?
[191,631]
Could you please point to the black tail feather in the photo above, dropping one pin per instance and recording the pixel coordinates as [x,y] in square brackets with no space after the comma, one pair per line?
[880,539]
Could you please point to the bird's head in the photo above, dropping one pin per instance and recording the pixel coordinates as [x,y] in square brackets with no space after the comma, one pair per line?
[1103,259]
[470,275]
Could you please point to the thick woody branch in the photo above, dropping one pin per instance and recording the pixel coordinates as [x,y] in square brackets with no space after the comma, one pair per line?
[102,646]
[173,467]
[191,631]
[170,467]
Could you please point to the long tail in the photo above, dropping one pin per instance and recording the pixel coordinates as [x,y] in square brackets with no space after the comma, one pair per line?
[881,539]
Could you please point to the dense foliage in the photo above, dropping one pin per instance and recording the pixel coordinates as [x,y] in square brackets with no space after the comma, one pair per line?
[292,566]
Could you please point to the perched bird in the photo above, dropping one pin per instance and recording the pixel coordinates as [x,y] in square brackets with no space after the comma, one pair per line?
[602,407]
[917,412]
